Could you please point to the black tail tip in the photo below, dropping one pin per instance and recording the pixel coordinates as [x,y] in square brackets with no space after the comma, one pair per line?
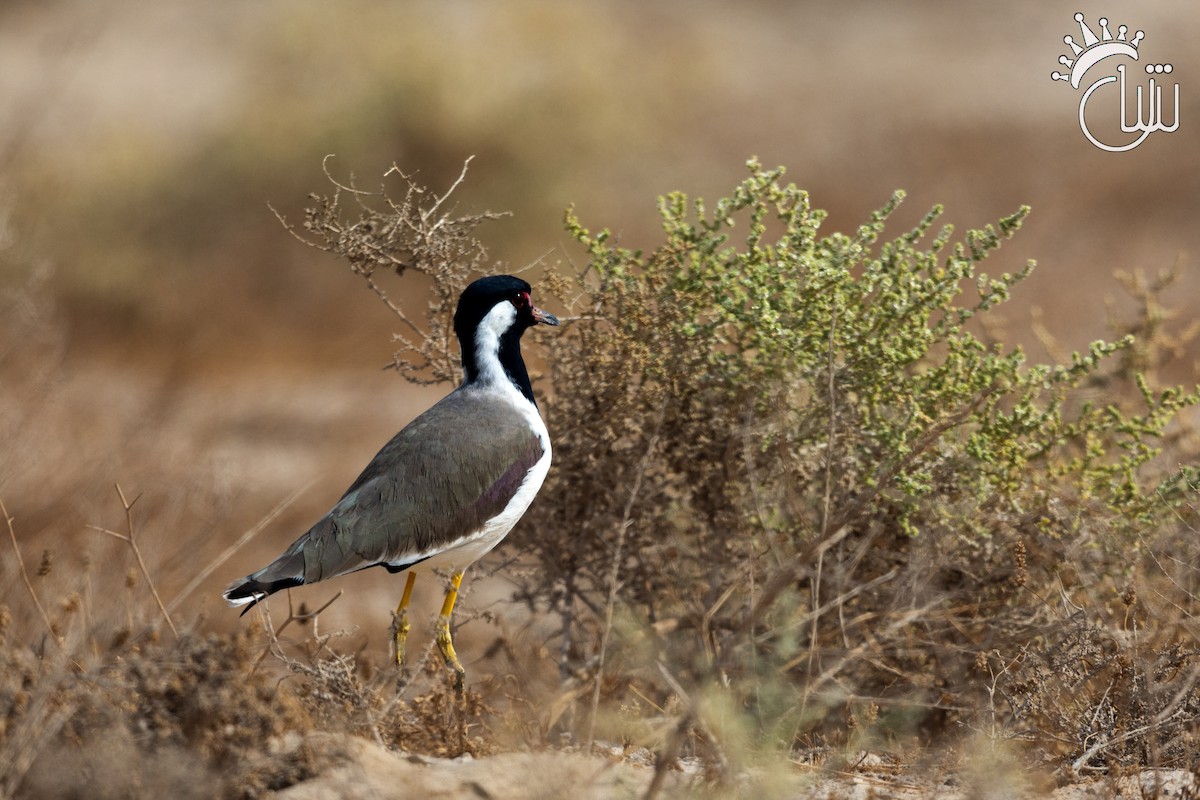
[248,592]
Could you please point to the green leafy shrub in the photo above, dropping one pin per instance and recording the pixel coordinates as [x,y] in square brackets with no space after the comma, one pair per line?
[794,480]
[812,464]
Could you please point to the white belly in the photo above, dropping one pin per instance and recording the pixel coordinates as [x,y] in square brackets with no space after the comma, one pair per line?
[471,548]
[459,555]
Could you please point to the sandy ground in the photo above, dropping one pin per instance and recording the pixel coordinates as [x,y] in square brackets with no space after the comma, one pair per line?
[361,769]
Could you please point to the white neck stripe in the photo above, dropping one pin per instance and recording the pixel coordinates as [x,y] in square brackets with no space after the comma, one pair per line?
[487,343]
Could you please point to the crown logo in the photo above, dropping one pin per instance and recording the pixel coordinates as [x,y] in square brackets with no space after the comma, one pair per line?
[1095,48]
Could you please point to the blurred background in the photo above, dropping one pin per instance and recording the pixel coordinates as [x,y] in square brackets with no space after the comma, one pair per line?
[160,329]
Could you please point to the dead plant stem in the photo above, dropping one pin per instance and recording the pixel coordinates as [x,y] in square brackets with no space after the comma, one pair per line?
[293,616]
[615,570]
[12,534]
[1077,766]
[130,539]
[846,519]
[814,627]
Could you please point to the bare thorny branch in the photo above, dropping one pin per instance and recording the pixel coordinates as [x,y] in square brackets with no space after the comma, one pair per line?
[12,534]
[300,616]
[417,232]
[129,537]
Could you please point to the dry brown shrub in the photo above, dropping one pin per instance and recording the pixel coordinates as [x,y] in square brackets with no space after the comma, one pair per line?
[148,716]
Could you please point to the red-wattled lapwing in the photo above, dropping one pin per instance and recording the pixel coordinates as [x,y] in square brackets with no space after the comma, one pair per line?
[446,489]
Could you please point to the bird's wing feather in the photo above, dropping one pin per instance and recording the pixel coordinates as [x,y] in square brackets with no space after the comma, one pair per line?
[437,481]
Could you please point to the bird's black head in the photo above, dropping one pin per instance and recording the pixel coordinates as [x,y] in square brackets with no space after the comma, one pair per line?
[478,300]
[492,314]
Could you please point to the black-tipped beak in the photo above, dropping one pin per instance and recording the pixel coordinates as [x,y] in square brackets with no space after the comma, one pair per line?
[544,317]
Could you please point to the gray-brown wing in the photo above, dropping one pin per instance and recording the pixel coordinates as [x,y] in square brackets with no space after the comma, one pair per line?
[437,481]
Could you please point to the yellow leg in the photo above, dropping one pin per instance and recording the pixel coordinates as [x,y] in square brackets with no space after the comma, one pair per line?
[400,624]
[445,643]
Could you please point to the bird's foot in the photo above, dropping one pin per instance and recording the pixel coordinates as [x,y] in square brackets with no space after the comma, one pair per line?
[400,629]
[446,645]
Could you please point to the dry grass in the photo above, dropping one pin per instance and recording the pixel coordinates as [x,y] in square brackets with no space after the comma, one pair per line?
[109,699]
[1042,640]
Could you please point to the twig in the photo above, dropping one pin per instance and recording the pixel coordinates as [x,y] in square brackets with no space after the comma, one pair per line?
[814,628]
[12,534]
[582,318]
[840,599]
[374,287]
[706,636]
[395,309]
[785,575]
[614,572]
[668,756]
[292,617]
[568,608]
[427,213]
[129,538]
[43,719]
[905,619]
[1092,751]
[992,687]
[670,752]
[352,189]
[1172,706]
[1154,556]
[832,432]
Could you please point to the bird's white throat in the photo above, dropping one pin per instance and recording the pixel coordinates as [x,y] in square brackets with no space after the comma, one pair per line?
[487,344]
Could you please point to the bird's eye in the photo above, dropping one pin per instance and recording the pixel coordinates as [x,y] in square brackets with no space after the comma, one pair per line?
[521,300]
